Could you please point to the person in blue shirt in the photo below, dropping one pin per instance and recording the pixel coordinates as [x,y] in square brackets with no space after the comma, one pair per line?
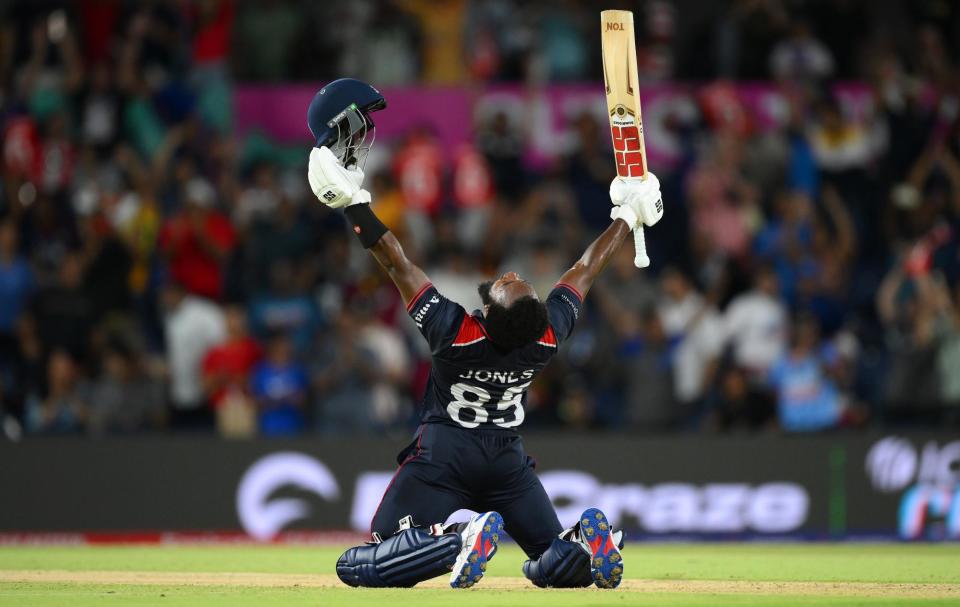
[807,396]
[279,384]
[16,279]
[16,288]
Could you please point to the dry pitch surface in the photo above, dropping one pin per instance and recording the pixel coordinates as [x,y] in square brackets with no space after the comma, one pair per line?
[687,575]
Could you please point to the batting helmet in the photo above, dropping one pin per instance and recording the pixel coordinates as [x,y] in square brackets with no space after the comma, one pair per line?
[339,117]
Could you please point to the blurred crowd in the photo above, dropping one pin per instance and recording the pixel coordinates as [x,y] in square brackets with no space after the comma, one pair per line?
[158,272]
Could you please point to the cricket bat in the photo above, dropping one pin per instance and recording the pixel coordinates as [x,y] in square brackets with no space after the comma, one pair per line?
[623,105]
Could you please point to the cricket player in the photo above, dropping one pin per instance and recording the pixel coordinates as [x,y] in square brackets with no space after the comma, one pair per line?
[466,452]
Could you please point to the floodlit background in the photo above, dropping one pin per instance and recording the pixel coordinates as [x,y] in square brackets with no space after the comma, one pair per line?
[165,270]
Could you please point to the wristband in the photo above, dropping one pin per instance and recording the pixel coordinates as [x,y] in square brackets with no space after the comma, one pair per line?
[365,224]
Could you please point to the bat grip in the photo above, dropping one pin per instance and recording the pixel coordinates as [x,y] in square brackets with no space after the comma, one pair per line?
[640,244]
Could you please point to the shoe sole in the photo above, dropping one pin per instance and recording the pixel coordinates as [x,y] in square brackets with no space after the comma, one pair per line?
[475,565]
[606,562]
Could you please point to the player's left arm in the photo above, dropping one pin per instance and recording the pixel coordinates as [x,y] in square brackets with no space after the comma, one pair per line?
[596,257]
[636,203]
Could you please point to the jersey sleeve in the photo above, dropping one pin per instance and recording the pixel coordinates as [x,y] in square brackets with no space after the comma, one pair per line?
[564,306]
[437,318]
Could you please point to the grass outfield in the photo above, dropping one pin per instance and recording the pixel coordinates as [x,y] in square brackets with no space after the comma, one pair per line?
[656,574]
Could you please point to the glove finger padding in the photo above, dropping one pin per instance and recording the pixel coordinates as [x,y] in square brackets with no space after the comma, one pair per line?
[640,195]
[619,190]
[332,184]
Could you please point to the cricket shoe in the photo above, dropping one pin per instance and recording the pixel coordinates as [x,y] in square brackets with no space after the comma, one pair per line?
[480,538]
[606,562]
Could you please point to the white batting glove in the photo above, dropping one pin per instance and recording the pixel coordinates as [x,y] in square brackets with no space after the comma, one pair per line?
[332,183]
[637,201]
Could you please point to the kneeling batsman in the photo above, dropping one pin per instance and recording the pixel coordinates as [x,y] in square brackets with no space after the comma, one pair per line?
[588,552]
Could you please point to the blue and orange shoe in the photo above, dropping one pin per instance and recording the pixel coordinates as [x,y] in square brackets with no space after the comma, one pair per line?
[606,562]
[480,538]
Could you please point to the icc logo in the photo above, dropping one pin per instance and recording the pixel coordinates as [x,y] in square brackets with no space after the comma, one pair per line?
[929,479]
[891,464]
[614,27]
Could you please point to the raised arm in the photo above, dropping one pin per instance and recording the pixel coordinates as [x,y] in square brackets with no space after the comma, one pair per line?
[408,277]
[596,257]
[636,203]
[339,187]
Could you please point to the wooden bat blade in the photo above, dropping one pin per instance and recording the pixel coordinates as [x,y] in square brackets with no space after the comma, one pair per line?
[621,84]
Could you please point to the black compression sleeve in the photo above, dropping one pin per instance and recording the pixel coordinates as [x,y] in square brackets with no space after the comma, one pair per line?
[365,224]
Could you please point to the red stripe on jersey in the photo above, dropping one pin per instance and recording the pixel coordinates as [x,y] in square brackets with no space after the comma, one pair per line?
[567,285]
[549,338]
[419,294]
[471,331]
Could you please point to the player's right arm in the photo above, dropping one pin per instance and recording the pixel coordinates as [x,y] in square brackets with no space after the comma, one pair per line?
[340,187]
[437,318]
[635,203]
[408,277]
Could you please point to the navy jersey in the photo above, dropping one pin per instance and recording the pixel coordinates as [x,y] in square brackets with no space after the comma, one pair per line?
[472,384]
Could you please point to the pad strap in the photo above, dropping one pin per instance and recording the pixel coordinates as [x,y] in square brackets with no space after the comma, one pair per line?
[366,225]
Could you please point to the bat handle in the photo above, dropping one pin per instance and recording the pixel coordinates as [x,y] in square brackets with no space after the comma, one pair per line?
[640,244]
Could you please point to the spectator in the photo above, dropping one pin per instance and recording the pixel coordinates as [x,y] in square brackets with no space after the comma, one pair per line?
[286,308]
[722,202]
[756,325]
[264,40]
[389,367]
[192,326]
[473,194]
[643,369]
[914,308]
[280,235]
[695,332]
[441,24]
[258,201]
[839,144]
[124,399]
[279,384]
[62,408]
[16,288]
[65,312]
[386,48]
[502,144]
[197,242]
[342,379]
[589,170]
[786,242]
[948,356]
[49,233]
[227,368]
[807,396]
[801,57]
[648,373]
[739,405]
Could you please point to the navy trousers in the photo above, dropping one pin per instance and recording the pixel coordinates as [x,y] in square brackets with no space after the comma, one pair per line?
[447,468]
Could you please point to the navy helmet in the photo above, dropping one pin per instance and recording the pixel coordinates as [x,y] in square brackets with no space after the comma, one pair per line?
[339,118]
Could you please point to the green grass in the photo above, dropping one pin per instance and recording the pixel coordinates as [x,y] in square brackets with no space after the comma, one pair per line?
[65,595]
[883,563]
